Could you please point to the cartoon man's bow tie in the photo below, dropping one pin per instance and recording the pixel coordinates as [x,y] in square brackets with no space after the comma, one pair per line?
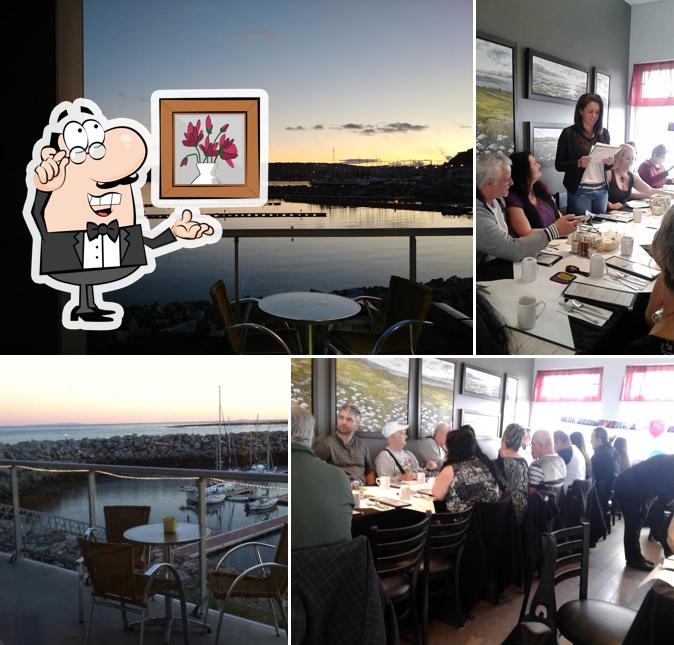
[111,230]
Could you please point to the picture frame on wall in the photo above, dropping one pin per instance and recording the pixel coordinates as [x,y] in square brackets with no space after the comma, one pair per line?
[478,382]
[553,79]
[483,423]
[495,94]
[509,407]
[542,140]
[601,84]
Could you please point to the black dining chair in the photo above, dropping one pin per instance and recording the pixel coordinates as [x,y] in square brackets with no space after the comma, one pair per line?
[566,555]
[447,537]
[398,553]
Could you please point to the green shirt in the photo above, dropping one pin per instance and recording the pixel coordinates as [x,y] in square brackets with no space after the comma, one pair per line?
[321,502]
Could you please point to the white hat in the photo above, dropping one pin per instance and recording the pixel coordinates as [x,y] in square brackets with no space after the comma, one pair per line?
[391,427]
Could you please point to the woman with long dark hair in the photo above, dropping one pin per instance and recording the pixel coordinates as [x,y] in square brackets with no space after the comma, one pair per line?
[529,204]
[465,478]
[578,440]
[584,179]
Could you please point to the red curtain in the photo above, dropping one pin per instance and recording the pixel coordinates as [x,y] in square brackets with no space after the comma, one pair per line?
[643,74]
[591,394]
[639,380]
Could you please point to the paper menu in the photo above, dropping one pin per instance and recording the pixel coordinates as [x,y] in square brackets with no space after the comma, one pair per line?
[601,295]
[600,151]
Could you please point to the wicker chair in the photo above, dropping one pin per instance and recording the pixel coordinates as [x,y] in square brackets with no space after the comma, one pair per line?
[115,583]
[264,580]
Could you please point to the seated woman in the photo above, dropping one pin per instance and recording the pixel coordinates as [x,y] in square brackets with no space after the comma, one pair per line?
[624,185]
[529,204]
[465,479]
[514,468]
[660,309]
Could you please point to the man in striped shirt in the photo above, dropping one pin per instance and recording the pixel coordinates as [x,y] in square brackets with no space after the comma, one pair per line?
[547,467]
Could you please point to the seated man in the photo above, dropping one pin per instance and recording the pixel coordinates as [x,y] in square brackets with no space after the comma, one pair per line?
[433,448]
[547,467]
[653,171]
[344,450]
[573,458]
[492,176]
[396,462]
[322,498]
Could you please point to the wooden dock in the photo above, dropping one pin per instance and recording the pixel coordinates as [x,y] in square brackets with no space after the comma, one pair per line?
[225,540]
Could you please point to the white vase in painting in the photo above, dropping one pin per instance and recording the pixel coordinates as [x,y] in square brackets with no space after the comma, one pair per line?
[206,174]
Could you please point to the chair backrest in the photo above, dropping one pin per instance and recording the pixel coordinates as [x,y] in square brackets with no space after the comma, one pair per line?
[408,300]
[448,534]
[120,518]
[400,550]
[566,555]
[219,296]
[110,568]
[280,576]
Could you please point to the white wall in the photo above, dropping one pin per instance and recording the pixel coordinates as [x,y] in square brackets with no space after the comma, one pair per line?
[640,442]
[651,33]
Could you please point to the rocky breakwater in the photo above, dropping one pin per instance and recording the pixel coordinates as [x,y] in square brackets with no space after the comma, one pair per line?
[168,451]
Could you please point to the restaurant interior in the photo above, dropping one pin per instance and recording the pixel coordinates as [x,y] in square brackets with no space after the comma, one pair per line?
[479,574]
[534,61]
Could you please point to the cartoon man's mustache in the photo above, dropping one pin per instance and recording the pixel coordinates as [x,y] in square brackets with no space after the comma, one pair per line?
[129,179]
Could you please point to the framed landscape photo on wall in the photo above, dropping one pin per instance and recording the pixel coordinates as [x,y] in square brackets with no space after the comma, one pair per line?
[211,147]
[553,79]
[479,382]
[483,423]
[601,84]
[494,94]
[509,407]
[542,140]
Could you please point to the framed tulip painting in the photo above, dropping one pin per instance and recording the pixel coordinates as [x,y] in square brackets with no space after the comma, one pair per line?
[211,147]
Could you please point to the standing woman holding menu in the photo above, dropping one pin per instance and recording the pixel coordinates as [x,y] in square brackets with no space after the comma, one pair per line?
[584,179]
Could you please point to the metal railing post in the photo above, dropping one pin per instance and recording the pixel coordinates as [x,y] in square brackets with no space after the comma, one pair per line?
[413,258]
[92,498]
[203,561]
[237,286]
[18,540]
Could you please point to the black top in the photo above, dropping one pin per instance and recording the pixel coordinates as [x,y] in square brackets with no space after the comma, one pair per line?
[573,145]
[604,469]
[655,477]
[617,194]
[649,344]
[566,454]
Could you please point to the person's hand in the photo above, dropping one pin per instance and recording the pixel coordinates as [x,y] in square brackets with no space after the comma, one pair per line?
[584,162]
[431,465]
[566,224]
[186,229]
[615,206]
[608,161]
[51,173]
[408,477]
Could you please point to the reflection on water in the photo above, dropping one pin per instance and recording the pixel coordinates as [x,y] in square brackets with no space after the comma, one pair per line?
[272,265]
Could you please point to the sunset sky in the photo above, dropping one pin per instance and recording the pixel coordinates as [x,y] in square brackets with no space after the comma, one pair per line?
[127,389]
[386,79]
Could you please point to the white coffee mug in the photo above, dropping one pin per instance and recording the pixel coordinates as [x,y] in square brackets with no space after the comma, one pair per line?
[527,311]
[529,269]
[637,215]
[597,266]
[421,478]
[384,482]
[356,499]
[405,491]
[626,245]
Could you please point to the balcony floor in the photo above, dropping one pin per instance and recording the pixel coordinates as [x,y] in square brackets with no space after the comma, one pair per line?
[39,606]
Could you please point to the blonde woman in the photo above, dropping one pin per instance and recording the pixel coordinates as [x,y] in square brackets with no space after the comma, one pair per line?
[623,184]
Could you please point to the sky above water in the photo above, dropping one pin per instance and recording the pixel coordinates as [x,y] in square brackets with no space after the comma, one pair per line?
[129,389]
[354,79]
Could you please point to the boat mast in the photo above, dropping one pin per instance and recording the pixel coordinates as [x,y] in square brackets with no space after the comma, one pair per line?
[218,450]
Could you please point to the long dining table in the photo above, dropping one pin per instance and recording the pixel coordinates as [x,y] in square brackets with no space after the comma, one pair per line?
[560,329]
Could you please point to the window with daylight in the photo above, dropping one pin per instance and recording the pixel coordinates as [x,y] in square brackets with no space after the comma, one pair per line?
[648,383]
[652,84]
[554,386]
[377,386]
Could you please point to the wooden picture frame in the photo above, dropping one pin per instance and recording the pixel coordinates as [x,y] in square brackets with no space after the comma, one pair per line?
[542,141]
[476,381]
[484,424]
[553,79]
[495,95]
[601,84]
[237,138]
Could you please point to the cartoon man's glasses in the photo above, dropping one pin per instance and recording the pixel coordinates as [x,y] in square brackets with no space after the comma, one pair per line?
[78,154]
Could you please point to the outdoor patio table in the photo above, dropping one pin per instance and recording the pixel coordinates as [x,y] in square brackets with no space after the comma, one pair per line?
[311,308]
[153,535]
[553,325]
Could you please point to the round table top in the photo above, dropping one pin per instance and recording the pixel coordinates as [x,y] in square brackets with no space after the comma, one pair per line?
[307,306]
[153,534]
